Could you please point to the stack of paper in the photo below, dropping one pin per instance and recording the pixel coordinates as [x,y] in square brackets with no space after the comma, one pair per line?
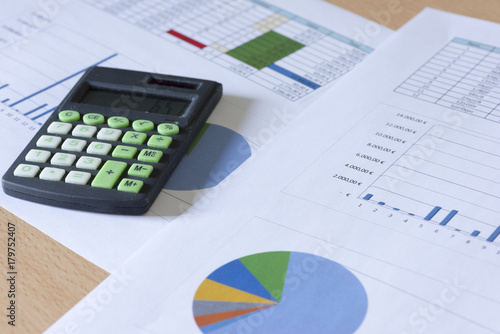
[375,210]
[370,206]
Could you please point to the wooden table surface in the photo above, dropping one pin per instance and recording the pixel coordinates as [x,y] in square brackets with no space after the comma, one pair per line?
[50,278]
[395,13]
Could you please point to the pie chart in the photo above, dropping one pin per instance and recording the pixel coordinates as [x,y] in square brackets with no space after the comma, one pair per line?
[280,292]
[215,154]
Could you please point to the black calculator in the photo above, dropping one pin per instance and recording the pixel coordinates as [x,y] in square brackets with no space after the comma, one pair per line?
[113,142]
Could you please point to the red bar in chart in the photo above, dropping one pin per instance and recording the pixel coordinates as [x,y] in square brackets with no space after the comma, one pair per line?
[186,39]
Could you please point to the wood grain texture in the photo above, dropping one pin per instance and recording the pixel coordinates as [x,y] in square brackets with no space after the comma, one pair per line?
[49,278]
[395,13]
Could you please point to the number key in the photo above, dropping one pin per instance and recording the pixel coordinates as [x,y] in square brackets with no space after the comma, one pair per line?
[59,128]
[48,141]
[109,134]
[63,159]
[98,148]
[39,156]
[87,162]
[74,145]
[25,170]
[86,131]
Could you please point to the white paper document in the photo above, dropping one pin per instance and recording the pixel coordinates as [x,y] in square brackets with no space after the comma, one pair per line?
[375,211]
[45,48]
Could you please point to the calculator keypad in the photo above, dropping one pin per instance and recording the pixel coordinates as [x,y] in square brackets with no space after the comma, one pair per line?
[109,153]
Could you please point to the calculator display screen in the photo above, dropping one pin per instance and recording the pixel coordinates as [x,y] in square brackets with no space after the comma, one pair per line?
[135,101]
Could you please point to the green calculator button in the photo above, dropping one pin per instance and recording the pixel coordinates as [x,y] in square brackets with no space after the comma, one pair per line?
[130,186]
[109,174]
[93,119]
[168,129]
[118,122]
[69,116]
[140,170]
[124,152]
[143,125]
[147,155]
[134,138]
[160,141]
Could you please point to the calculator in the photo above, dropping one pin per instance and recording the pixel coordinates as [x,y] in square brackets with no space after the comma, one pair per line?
[113,142]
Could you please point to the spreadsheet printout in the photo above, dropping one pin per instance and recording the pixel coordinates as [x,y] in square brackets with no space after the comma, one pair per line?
[257,40]
[462,76]
[391,197]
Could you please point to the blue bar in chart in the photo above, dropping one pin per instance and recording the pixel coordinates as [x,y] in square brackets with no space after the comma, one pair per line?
[37,108]
[59,82]
[494,235]
[432,213]
[447,219]
[44,113]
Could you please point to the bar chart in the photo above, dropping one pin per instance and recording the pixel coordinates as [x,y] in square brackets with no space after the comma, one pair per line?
[274,48]
[404,165]
[452,182]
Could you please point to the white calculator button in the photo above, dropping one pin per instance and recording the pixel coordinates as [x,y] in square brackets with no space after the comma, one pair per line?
[48,141]
[59,128]
[39,156]
[99,148]
[52,174]
[25,170]
[74,145]
[80,178]
[86,131]
[63,159]
[88,163]
[109,134]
